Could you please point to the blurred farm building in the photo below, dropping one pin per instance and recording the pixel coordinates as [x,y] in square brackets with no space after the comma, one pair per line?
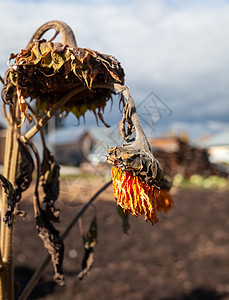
[218,147]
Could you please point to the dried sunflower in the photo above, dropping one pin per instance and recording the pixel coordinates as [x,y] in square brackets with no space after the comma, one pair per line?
[139,184]
[46,71]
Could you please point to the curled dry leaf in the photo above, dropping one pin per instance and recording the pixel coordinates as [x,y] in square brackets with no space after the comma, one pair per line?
[26,168]
[46,71]
[22,182]
[11,199]
[23,105]
[90,241]
[53,243]
[50,181]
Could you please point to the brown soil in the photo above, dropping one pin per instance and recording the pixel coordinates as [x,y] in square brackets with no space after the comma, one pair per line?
[185,256]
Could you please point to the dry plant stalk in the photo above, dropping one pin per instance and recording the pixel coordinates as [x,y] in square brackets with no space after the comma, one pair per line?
[63,77]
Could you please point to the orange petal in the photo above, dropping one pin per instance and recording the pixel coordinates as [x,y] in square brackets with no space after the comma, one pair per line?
[134,195]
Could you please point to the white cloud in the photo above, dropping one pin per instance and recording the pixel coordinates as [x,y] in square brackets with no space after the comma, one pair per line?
[178,48]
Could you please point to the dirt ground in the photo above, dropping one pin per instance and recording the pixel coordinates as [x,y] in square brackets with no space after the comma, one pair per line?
[184,256]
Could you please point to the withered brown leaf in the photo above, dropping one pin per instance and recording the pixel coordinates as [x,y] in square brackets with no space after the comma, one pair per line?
[22,182]
[50,181]
[11,199]
[52,242]
[90,241]
[24,178]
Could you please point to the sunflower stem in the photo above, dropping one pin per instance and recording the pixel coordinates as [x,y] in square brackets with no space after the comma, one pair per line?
[7,234]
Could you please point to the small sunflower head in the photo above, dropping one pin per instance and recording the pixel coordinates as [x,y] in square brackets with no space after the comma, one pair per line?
[140,163]
[139,185]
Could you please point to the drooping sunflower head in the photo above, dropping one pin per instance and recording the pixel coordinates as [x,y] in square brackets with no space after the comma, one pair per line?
[139,185]
[140,163]
[47,71]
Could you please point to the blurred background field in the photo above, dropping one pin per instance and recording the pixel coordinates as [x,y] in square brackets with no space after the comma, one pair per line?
[184,256]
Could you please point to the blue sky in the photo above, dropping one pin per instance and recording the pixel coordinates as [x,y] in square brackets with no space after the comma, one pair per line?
[178,49]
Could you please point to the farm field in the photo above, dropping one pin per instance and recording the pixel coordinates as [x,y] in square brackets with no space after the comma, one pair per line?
[184,256]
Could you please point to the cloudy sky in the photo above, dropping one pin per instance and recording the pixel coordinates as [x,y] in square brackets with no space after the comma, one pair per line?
[176,49]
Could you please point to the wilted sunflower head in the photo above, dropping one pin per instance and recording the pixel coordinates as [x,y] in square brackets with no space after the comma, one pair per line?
[139,184]
[139,163]
[46,71]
